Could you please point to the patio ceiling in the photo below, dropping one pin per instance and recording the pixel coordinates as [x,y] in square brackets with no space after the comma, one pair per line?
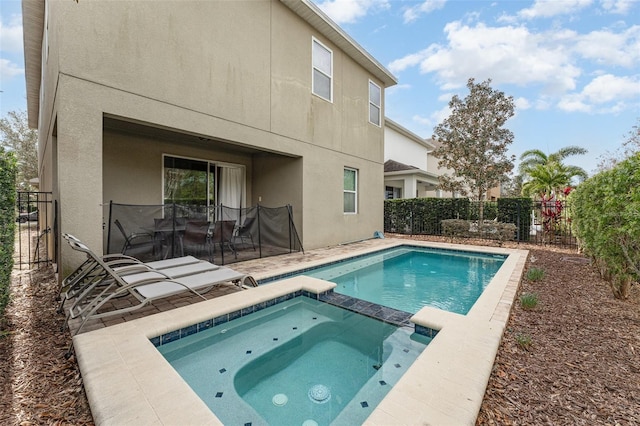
[176,136]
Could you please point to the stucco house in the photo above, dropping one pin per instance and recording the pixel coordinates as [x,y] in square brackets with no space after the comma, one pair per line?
[410,168]
[269,93]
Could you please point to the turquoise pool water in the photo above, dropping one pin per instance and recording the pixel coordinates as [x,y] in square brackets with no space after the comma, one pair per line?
[408,278]
[298,362]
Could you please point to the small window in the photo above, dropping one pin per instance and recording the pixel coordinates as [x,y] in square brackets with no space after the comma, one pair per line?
[375,101]
[391,193]
[350,190]
[322,78]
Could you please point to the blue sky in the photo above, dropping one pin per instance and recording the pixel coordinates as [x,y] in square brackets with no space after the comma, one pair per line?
[572,66]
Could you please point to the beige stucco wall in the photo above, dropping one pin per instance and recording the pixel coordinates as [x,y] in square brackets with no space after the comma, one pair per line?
[238,71]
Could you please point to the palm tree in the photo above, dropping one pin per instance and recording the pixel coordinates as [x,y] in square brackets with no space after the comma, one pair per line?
[546,179]
[545,174]
[533,157]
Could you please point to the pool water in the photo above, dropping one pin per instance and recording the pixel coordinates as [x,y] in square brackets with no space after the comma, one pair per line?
[409,278]
[297,362]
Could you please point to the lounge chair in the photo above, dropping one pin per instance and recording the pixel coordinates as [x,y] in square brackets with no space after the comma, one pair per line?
[149,290]
[98,271]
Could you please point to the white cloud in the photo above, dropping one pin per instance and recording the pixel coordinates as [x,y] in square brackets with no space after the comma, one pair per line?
[617,6]
[608,48]
[398,87]
[550,8]
[511,55]
[426,7]
[9,69]
[522,103]
[604,94]
[349,11]
[11,35]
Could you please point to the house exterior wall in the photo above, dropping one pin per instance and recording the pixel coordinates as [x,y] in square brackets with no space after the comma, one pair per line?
[235,71]
[400,148]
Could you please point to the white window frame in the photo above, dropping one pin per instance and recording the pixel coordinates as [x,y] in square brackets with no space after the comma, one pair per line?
[373,104]
[313,69]
[348,191]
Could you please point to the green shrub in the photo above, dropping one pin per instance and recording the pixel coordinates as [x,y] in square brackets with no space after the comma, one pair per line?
[8,167]
[535,274]
[422,215]
[528,301]
[524,341]
[516,211]
[605,211]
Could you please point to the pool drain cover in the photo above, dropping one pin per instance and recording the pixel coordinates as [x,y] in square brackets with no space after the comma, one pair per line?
[319,394]
[280,399]
[310,422]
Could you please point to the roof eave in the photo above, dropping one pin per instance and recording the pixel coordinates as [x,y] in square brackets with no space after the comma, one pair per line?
[32,33]
[315,17]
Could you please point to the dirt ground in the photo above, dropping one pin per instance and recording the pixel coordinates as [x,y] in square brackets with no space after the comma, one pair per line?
[581,367]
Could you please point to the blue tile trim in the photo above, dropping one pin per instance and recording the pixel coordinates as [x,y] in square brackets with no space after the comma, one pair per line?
[381,313]
[205,325]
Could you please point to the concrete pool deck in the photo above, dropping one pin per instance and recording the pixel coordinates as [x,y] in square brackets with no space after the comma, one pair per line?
[127,380]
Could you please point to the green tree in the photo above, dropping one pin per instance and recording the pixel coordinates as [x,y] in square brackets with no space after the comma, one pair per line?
[535,164]
[473,141]
[17,137]
[546,179]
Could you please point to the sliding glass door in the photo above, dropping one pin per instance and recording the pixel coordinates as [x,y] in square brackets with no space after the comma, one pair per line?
[203,183]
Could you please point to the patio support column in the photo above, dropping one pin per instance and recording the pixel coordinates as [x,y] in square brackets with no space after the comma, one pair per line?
[79,137]
[410,187]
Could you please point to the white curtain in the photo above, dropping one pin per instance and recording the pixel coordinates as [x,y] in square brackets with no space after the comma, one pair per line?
[231,184]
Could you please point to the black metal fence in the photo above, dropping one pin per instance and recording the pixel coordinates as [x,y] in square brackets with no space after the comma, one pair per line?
[35,217]
[536,222]
[217,233]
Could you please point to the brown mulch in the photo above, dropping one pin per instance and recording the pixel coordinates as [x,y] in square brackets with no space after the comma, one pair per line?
[582,367]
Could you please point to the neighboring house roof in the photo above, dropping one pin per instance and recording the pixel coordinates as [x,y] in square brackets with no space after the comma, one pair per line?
[396,169]
[33,24]
[396,166]
[427,143]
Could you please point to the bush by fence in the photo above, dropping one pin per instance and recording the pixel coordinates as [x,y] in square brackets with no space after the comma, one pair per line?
[516,211]
[606,219]
[422,215]
[7,223]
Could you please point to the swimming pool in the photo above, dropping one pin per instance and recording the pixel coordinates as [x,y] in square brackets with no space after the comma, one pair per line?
[297,362]
[128,381]
[408,278]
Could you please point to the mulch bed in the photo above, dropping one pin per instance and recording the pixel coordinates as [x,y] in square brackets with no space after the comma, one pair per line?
[582,367]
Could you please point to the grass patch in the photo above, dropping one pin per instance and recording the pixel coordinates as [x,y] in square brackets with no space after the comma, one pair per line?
[535,274]
[524,341]
[528,300]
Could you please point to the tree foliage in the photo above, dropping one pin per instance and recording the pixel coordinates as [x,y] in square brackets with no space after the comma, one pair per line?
[545,175]
[17,137]
[473,142]
[7,223]
[606,219]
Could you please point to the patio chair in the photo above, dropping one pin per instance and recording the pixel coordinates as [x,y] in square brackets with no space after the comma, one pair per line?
[196,238]
[149,290]
[223,234]
[243,231]
[139,243]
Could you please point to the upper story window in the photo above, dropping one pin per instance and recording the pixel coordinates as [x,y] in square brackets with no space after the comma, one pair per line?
[350,190]
[375,102]
[322,79]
